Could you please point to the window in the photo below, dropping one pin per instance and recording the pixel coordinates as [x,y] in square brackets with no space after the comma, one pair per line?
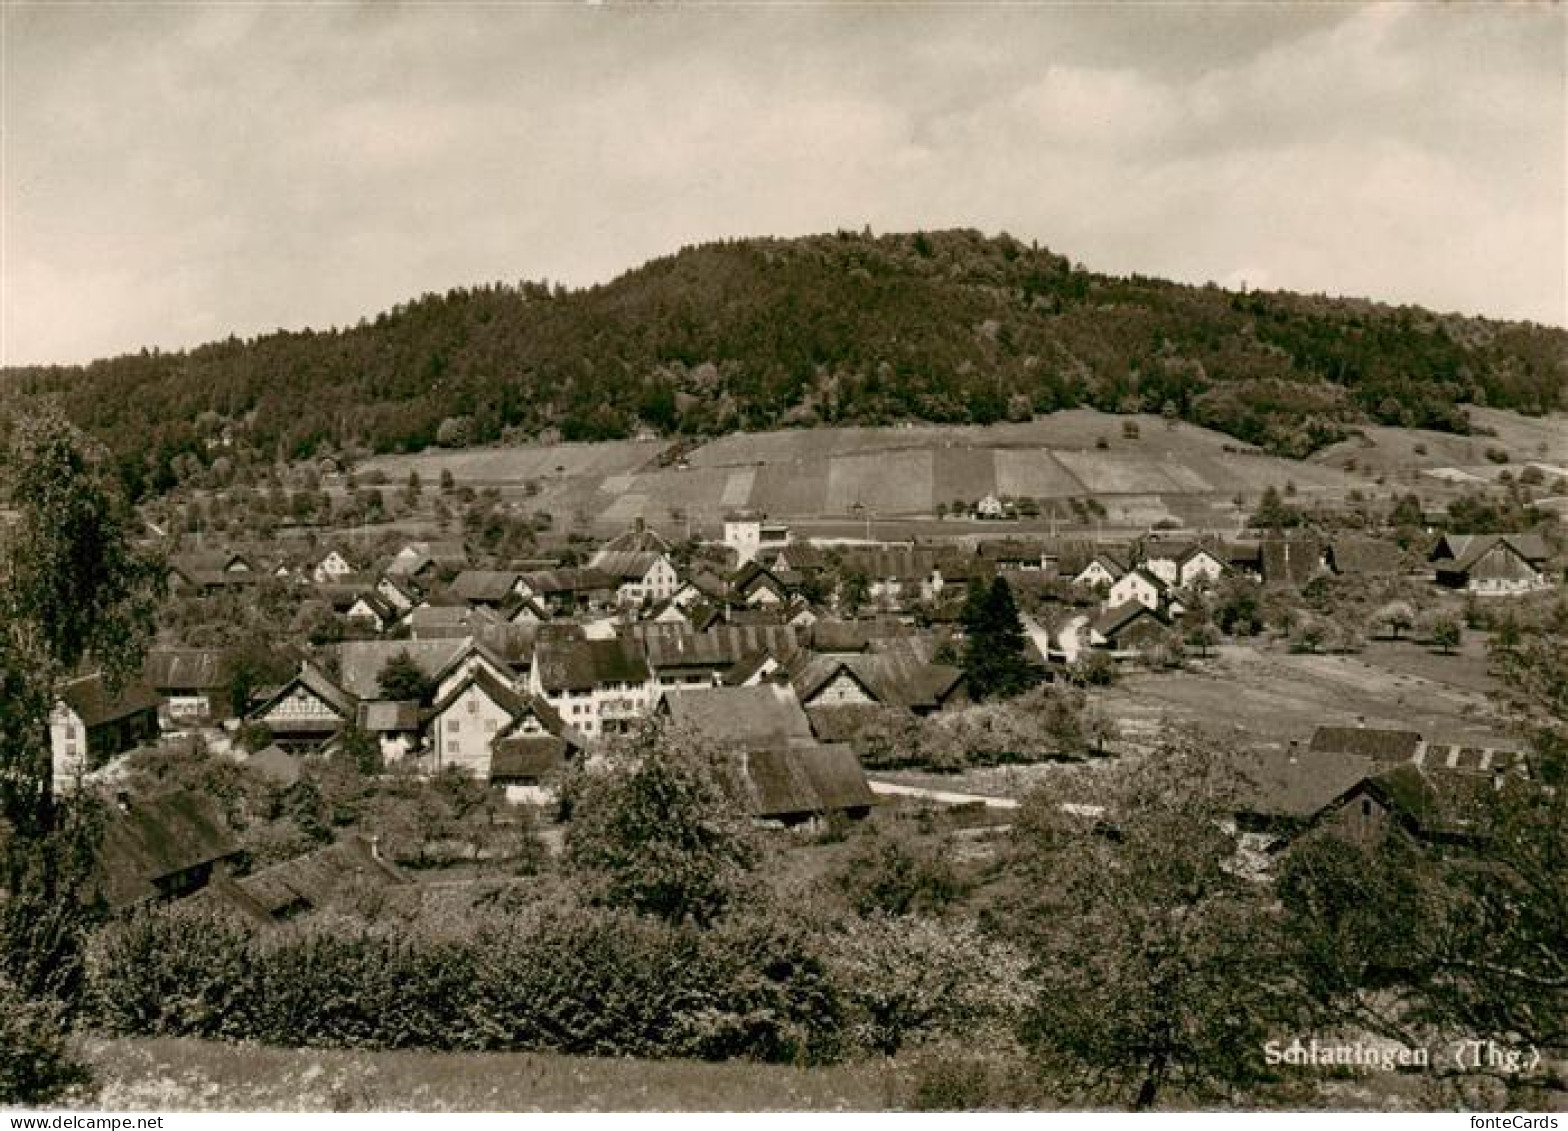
[489,726]
[452,726]
[452,746]
[1366,807]
[473,706]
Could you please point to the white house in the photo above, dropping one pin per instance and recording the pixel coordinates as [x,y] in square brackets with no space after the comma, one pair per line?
[989,507]
[1199,566]
[596,686]
[332,566]
[1141,586]
[1101,570]
[639,575]
[470,717]
[752,535]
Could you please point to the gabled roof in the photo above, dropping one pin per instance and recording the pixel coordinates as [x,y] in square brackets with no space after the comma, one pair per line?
[852,635]
[625,565]
[360,661]
[801,780]
[512,702]
[1107,562]
[1381,745]
[1528,548]
[581,665]
[467,650]
[1282,784]
[809,674]
[755,717]
[319,684]
[1434,803]
[309,881]
[185,669]
[1114,620]
[1291,561]
[1158,583]
[484,584]
[527,757]
[567,580]
[149,838]
[670,647]
[89,697]
[643,539]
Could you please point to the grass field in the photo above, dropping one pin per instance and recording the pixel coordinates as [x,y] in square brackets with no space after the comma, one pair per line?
[190,1075]
[1274,697]
[1164,471]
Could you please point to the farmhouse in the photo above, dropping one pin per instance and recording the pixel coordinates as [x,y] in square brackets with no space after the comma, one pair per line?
[489,587]
[307,712]
[192,682]
[641,538]
[466,723]
[331,566]
[1290,561]
[681,660]
[596,686]
[568,591]
[162,847]
[780,771]
[1492,564]
[1124,627]
[1141,586]
[89,724]
[638,575]
[207,573]
[889,679]
[1362,557]
[1012,555]
[1102,569]
[1282,793]
[1384,746]
[307,883]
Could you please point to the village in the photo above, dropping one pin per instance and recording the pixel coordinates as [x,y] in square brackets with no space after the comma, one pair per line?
[832,673]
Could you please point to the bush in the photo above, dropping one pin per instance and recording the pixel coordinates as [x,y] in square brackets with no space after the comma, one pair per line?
[36,1066]
[895,875]
[587,982]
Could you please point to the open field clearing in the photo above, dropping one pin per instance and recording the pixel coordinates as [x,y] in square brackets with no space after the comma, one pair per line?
[191,1075]
[1275,697]
[1524,438]
[1181,472]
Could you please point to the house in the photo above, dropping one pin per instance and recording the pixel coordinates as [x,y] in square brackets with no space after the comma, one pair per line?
[1013,555]
[447,622]
[639,575]
[396,726]
[1245,558]
[490,587]
[596,686]
[425,561]
[330,567]
[526,612]
[1431,805]
[568,591]
[307,712]
[1124,627]
[531,752]
[1102,569]
[1362,557]
[641,538]
[207,572]
[1290,561]
[466,723]
[1492,564]
[370,611]
[1282,793]
[91,724]
[162,847]
[756,584]
[398,592]
[679,660]
[779,770]
[1141,586]
[292,888]
[989,507]
[891,679]
[192,682]
[473,655]
[1199,566]
[752,536]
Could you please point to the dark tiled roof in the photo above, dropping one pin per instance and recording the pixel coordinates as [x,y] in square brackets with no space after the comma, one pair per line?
[1291,561]
[1434,803]
[1285,784]
[801,781]
[527,757]
[484,584]
[767,714]
[309,881]
[1114,620]
[1380,745]
[581,665]
[185,669]
[567,581]
[90,698]
[625,565]
[669,647]
[148,838]
[360,661]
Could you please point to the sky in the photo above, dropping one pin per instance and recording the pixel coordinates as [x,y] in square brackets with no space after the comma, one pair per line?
[176,173]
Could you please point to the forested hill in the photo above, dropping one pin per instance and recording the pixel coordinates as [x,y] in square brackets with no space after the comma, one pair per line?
[943,326]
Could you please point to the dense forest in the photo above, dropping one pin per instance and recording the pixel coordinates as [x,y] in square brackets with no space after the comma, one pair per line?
[848,328]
